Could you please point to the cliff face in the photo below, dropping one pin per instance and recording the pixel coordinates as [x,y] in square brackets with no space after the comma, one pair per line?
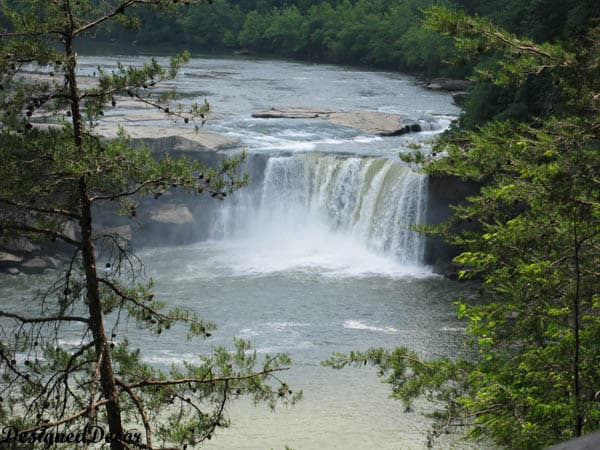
[444,191]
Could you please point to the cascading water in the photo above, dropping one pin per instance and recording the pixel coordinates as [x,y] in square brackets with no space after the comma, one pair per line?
[311,208]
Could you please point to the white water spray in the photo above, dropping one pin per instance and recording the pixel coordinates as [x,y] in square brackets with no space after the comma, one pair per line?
[315,210]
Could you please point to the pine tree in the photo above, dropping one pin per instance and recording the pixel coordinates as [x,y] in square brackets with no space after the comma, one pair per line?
[52,179]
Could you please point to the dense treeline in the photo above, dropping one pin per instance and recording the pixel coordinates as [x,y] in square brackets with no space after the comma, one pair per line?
[379,33]
[383,33]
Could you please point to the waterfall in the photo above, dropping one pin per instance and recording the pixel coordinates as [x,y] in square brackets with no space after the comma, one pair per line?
[314,199]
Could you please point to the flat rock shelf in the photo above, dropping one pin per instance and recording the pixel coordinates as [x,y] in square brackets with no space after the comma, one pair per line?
[372,122]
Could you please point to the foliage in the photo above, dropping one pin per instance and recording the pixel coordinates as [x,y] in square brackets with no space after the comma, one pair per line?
[52,178]
[532,238]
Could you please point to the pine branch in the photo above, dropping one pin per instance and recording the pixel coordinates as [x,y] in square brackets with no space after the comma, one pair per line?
[128,193]
[48,232]
[193,380]
[43,319]
[71,418]
[56,211]
[140,407]
[114,12]
[132,299]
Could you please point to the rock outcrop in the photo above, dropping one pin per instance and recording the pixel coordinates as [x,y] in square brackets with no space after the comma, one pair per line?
[443,191]
[372,122]
[9,260]
[460,98]
[166,224]
[170,139]
[35,265]
[172,214]
[450,85]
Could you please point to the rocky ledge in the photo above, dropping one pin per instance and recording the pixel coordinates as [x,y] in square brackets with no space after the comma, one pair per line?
[372,122]
[140,122]
[169,139]
[23,256]
[449,85]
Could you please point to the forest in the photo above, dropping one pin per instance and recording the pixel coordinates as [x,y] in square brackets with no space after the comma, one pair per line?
[528,137]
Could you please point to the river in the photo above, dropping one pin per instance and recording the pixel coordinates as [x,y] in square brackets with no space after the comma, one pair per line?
[315,256]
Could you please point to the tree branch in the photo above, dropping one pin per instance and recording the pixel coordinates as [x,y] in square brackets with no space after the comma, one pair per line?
[43,319]
[71,418]
[140,407]
[128,193]
[191,380]
[61,212]
[126,297]
[46,231]
[109,15]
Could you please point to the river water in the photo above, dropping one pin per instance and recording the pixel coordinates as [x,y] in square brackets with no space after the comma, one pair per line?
[315,256]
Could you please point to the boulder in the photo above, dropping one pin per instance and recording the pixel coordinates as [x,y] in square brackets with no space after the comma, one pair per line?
[167,224]
[9,260]
[35,265]
[588,442]
[172,214]
[21,245]
[373,122]
[294,113]
[71,230]
[116,238]
[13,271]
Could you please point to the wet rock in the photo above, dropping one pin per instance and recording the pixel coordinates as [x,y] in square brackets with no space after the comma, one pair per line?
[35,265]
[294,113]
[9,259]
[443,191]
[448,269]
[21,245]
[373,122]
[172,214]
[13,271]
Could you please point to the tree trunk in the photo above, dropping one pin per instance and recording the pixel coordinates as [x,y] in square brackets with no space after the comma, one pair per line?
[576,326]
[96,322]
